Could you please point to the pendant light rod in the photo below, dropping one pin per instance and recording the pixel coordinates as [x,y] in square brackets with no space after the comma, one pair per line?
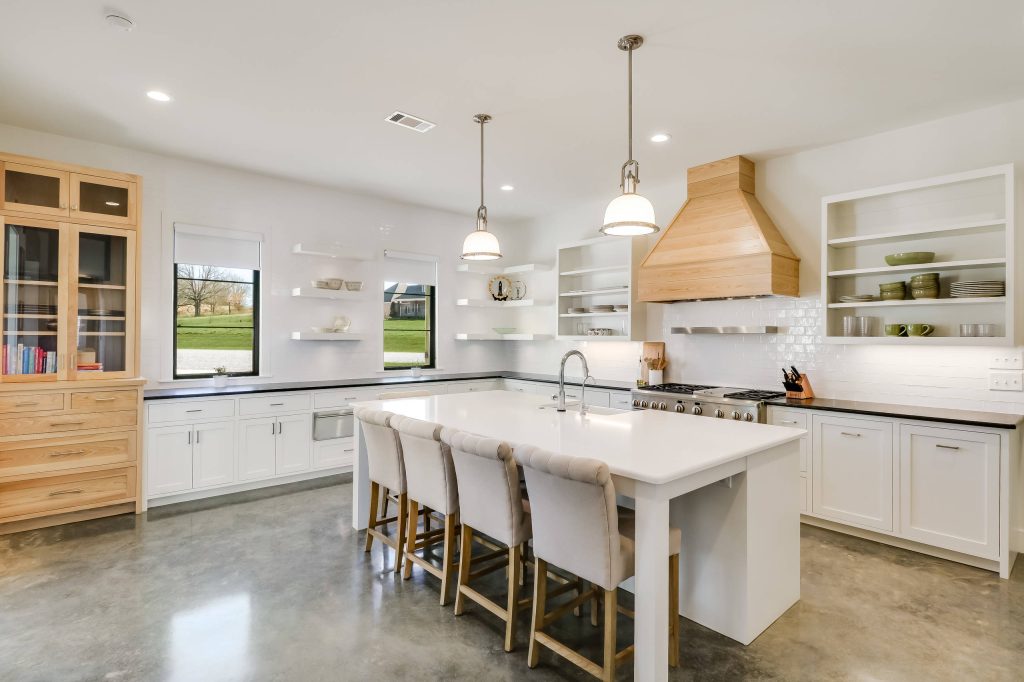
[631,169]
[481,212]
[481,244]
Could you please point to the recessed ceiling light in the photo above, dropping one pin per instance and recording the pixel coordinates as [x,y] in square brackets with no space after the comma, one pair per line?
[113,203]
[660,137]
[507,188]
[158,96]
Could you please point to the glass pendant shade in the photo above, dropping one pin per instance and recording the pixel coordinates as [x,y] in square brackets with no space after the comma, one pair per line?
[481,245]
[629,215]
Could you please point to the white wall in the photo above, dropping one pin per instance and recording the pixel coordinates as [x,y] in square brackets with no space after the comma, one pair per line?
[285,212]
[790,188]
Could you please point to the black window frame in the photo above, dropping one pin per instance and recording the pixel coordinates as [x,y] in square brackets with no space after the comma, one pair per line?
[431,296]
[255,328]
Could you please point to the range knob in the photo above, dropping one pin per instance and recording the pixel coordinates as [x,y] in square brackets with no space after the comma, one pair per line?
[735,414]
[748,417]
[636,403]
[697,409]
[643,403]
[662,406]
[680,407]
[719,414]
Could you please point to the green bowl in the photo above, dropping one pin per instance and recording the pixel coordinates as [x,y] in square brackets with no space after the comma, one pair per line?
[910,258]
[892,286]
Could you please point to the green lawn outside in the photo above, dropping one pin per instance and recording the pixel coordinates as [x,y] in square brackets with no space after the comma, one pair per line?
[405,336]
[199,332]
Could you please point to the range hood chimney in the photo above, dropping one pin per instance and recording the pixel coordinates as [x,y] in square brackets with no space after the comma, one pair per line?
[721,243]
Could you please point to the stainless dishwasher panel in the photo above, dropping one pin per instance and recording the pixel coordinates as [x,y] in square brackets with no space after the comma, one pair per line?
[332,425]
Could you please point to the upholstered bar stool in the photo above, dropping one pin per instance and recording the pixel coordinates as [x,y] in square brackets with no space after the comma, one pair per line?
[579,528]
[388,495]
[386,472]
[430,476]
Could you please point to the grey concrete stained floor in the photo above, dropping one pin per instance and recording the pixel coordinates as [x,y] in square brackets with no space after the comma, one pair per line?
[274,585]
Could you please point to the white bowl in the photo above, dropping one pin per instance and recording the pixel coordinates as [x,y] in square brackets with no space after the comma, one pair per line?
[333,284]
[354,286]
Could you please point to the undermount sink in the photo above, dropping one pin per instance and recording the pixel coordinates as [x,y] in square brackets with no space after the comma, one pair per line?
[575,407]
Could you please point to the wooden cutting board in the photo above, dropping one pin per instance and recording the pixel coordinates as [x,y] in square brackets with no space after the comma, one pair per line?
[651,350]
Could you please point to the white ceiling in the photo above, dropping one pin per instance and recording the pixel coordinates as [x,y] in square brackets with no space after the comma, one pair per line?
[300,89]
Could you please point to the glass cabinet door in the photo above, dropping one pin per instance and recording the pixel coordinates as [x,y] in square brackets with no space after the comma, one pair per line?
[33,301]
[34,189]
[102,199]
[103,302]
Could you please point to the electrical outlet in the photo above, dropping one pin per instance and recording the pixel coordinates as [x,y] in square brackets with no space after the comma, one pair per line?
[1007,359]
[1006,380]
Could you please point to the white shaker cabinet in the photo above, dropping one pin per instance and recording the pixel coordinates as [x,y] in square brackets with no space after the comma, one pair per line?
[293,444]
[853,471]
[213,454]
[797,419]
[169,460]
[257,448]
[949,489]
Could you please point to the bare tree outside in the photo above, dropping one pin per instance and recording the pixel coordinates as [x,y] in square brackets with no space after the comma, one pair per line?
[196,286]
[237,297]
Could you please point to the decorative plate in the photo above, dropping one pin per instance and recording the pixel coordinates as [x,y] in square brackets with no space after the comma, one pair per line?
[500,287]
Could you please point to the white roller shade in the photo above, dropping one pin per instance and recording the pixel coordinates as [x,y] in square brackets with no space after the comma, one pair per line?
[199,245]
[410,268]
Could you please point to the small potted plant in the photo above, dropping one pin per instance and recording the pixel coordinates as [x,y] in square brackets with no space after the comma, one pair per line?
[220,377]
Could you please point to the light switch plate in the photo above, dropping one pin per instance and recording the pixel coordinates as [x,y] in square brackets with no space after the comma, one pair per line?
[1006,380]
[1008,358]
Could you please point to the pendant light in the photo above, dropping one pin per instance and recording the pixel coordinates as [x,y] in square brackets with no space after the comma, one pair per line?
[481,244]
[629,214]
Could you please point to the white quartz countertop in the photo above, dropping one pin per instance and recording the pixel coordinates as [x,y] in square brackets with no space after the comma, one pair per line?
[644,445]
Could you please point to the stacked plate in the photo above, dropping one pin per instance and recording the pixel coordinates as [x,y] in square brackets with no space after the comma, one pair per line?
[858,298]
[577,311]
[602,308]
[977,289]
[621,307]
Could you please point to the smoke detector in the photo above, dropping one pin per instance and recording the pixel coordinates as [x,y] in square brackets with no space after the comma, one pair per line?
[409,121]
[119,21]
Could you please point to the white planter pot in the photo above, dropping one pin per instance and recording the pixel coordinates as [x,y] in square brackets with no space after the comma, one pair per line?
[220,380]
[655,376]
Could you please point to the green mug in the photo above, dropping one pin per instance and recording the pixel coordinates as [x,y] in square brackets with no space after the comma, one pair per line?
[920,329]
[895,330]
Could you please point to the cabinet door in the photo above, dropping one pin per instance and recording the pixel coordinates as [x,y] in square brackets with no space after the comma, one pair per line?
[256,448]
[102,302]
[102,200]
[169,460]
[294,434]
[852,471]
[213,454]
[35,296]
[794,419]
[621,401]
[34,189]
[333,453]
[949,489]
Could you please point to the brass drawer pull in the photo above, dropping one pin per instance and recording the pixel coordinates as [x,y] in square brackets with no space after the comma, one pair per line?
[66,423]
[947,447]
[847,433]
[25,404]
[67,453]
[74,491]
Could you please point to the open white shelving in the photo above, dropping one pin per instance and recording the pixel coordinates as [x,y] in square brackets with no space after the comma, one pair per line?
[966,219]
[330,294]
[519,315]
[484,269]
[487,303]
[329,251]
[312,336]
[605,269]
[502,337]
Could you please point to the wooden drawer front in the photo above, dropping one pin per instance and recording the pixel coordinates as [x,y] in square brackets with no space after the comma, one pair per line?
[54,493]
[98,401]
[23,426]
[31,402]
[274,404]
[165,412]
[31,457]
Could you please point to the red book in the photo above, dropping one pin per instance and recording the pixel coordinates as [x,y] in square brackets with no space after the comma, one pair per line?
[39,359]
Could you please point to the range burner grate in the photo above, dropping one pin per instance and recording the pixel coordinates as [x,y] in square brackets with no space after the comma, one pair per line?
[679,388]
[754,395]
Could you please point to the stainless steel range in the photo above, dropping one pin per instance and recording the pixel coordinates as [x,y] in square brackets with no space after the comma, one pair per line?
[742,404]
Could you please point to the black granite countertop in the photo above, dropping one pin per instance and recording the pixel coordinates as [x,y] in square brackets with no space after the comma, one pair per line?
[247,389]
[995,420]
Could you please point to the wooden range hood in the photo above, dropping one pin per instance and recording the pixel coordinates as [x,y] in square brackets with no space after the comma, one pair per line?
[721,243]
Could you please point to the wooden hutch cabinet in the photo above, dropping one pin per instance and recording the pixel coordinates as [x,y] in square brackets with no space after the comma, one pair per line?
[70,394]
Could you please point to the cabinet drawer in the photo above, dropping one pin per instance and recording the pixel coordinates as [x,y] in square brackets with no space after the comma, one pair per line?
[23,426]
[31,402]
[796,419]
[57,454]
[342,398]
[274,404]
[179,411]
[97,401]
[56,493]
[621,401]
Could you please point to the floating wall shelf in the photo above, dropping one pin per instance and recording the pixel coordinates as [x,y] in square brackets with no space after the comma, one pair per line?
[481,269]
[328,251]
[488,303]
[332,294]
[312,336]
[502,337]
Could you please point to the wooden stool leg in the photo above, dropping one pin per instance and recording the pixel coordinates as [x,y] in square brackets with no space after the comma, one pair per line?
[465,566]
[372,523]
[450,530]
[673,611]
[385,498]
[595,610]
[426,519]
[515,574]
[580,589]
[611,611]
[540,595]
[410,530]
[403,500]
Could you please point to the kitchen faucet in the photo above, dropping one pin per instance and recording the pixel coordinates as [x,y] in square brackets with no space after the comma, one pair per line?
[583,384]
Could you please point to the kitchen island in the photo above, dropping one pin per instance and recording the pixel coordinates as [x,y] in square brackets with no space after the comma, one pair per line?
[731,487]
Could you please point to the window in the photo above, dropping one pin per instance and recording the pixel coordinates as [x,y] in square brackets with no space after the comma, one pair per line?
[216,304]
[215,320]
[409,315]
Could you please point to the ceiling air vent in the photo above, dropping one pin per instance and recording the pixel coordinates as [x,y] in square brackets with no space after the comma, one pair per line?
[411,122]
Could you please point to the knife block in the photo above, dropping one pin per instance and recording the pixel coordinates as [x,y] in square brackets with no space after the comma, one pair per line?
[806,393]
